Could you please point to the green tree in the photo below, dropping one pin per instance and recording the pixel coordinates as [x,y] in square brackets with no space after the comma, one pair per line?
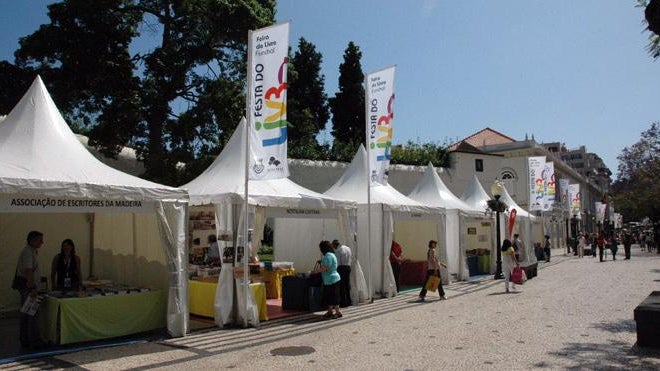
[413,153]
[636,192]
[175,102]
[307,103]
[347,106]
[652,19]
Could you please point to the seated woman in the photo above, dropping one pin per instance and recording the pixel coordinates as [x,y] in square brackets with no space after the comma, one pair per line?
[66,273]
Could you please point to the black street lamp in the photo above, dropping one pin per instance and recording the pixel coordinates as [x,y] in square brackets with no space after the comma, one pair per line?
[498,207]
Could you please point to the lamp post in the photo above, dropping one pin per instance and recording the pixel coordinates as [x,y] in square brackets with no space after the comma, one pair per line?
[498,207]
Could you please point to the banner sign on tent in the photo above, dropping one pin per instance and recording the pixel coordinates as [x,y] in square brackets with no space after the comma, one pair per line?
[267,87]
[512,221]
[563,189]
[536,185]
[379,100]
[574,196]
[549,183]
[40,204]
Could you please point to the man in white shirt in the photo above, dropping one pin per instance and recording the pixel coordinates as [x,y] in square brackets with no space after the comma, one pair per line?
[344,256]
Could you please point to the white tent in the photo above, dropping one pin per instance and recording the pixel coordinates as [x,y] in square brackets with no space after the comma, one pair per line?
[415,224]
[460,216]
[223,185]
[49,181]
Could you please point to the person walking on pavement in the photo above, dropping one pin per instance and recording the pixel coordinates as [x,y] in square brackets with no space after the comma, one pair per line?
[601,245]
[627,243]
[518,245]
[508,263]
[396,259]
[546,248]
[582,244]
[433,269]
[594,244]
[614,246]
[344,258]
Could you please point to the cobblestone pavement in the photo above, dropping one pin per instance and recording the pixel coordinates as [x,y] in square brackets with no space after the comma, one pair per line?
[578,313]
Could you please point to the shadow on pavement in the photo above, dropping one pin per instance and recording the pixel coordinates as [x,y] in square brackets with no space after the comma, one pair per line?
[611,355]
[617,326]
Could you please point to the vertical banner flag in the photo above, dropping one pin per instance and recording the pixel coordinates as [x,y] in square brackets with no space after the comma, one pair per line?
[549,183]
[574,196]
[563,189]
[379,100]
[536,187]
[512,221]
[600,212]
[268,57]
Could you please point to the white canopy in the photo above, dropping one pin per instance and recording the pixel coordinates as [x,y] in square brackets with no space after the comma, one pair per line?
[524,227]
[387,205]
[44,168]
[431,190]
[475,196]
[40,153]
[225,178]
[223,185]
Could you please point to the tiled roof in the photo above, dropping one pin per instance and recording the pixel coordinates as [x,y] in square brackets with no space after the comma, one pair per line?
[484,137]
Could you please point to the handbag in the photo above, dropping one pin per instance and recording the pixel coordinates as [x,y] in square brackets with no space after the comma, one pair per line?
[432,283]
[517,275]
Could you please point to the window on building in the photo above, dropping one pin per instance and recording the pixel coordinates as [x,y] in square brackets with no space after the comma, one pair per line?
[479,165]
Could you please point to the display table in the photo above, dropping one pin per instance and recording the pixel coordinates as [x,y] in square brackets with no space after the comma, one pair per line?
[73,320]
[201,297]
[413,273]
[273,281]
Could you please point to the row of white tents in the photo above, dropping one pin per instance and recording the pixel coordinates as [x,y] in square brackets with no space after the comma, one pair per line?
[137,230]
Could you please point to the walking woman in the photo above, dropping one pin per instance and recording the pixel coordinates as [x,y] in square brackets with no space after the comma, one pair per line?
[433,269]
[508,263]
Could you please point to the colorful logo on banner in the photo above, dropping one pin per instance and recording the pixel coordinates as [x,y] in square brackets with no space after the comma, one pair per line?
[574,194]
[600,212]
[563,189]
[380,108]
[267,82]
[537,186]
[549,183]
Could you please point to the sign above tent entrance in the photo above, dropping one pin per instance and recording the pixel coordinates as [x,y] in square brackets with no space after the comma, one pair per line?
[41,204]
[281,212]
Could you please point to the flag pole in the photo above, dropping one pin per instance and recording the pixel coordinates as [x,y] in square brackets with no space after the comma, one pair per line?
[248,123]
[366,138]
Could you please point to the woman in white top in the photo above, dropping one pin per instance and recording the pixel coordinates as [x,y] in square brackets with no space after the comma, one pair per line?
[508,263]
[433,269]
[582,244]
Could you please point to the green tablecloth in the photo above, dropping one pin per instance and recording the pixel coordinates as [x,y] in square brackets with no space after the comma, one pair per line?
[72,320]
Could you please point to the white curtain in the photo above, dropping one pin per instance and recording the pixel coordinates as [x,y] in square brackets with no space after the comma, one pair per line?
[463,273]
[389,285]
[223,303]
[172,222]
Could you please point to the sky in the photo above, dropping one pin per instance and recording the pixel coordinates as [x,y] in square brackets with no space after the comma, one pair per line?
[568,71]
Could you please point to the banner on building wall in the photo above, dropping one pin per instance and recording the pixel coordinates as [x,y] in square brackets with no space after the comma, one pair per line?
[379,101]
[574,195]
[267,87]
[618,220]
[536,185]
[563,191]
[549,185]
[600,212]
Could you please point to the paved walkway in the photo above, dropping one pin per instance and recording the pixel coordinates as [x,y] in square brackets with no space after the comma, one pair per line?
[578,313]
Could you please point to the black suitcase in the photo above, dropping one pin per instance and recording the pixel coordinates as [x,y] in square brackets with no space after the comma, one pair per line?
[294,293]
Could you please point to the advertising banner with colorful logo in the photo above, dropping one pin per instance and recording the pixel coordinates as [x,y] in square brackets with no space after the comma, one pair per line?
[267,87]
[600,212]
[379,101]
[563,190]
[536,185]
[574,196]
[549,184]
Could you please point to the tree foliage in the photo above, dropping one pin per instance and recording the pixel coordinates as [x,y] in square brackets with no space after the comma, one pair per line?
[413,153]
[347,106]
[636,192]
[176,101]
[307,102]
[652,20]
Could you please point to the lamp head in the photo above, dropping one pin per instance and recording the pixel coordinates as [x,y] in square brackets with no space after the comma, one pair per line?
[497,189]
